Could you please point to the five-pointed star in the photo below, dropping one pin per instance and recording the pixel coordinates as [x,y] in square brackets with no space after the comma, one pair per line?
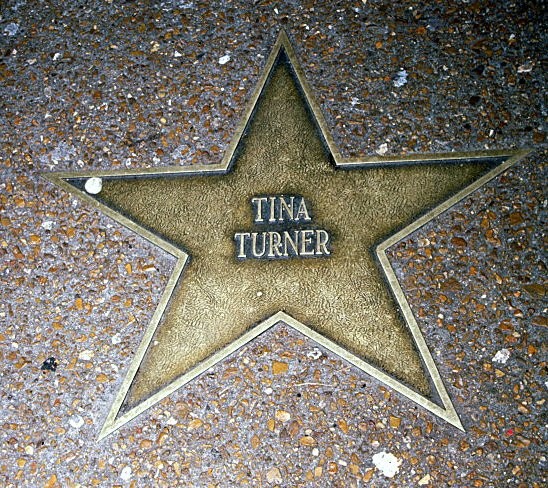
[349,301]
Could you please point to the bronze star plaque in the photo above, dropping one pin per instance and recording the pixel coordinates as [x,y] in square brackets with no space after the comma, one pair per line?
[284,229]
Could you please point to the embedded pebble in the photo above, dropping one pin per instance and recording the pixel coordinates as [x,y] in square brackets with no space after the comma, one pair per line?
[274,476]
[93,185]
[125,474]
[400,78]
[76,421]
[387,463]
[224,59]
[382,150]
[283,416]
[501,356]
[86,355]
[50,364]
[425,480]
[11,29]
[47,224]
[314,354]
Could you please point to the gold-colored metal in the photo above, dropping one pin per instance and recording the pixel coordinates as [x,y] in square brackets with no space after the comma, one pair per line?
[216,301]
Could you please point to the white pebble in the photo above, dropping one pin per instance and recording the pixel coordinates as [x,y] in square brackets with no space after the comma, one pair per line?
[400,79]
[314,354]
[425,480]
[116,339]
[76,421]
[11,29]
[382,150]
[126,473]
[85,355]
[94,185]
[525,68]
[224,59]
[48,225]
[387,463]
[501,356]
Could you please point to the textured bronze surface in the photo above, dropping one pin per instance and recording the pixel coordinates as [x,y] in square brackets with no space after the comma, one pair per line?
[348,298]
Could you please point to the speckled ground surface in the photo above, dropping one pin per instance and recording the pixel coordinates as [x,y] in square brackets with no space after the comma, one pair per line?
[135,84]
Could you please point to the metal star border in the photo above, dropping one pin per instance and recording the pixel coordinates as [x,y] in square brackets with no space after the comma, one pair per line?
[445,410]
